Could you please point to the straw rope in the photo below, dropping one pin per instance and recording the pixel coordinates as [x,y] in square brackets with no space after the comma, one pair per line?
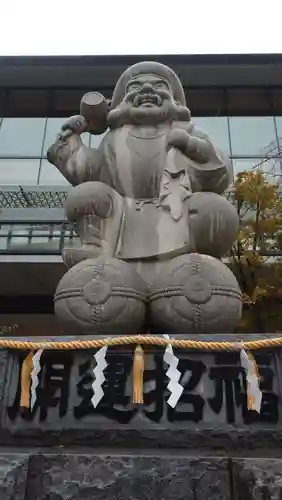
[141,340]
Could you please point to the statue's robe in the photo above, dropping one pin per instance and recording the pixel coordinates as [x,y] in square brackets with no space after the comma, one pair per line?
[154,185]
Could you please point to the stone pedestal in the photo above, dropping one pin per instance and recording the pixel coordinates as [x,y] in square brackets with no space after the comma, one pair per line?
[85,475]
[208,447]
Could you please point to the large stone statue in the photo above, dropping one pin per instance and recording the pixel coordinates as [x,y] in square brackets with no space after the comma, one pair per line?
[147,206]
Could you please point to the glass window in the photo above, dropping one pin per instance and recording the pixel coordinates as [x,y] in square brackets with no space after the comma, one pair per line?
[40,235]
[70,237]
[270,166]
[253,136]
[3,237]
[19,172]
[278,120]
[217,129]
[19,235]
[279,131]
[52,130]
[85,139]
[50,175]
[95,140]
[21,136]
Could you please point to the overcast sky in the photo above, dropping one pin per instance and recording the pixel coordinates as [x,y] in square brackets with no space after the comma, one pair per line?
[93,27]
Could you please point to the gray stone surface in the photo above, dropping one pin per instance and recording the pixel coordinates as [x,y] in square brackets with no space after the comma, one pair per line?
[13,476]
[64,474]
[257,479]
[86,477]
[184,297]
[149,193]
[97,290]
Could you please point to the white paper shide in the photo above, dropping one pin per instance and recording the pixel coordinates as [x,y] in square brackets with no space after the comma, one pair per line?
[99,377]
[36,368]
[173,375]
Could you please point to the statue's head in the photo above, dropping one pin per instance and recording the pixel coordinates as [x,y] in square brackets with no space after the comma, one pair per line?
[148,93]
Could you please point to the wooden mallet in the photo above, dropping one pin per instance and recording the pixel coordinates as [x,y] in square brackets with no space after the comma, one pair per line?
[94,108]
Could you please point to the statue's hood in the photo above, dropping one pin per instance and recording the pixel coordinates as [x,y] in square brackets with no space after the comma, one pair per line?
[148,67]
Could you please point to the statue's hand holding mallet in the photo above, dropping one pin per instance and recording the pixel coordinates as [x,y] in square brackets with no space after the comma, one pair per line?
[93,116]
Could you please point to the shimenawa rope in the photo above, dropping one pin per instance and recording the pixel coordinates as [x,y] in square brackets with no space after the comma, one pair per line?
[143,340]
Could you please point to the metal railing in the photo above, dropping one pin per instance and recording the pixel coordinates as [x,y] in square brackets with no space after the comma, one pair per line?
[27,237]
[34,237]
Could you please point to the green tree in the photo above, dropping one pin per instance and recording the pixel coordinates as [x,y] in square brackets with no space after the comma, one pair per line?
[254,257]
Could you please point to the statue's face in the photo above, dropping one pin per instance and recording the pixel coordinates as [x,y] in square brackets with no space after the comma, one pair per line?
[148,100]
[148,91]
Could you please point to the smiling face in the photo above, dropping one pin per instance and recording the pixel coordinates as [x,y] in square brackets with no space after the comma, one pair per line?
[148,101]
[148,91]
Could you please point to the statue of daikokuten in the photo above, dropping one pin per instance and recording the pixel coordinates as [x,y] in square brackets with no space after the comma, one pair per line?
[148,207]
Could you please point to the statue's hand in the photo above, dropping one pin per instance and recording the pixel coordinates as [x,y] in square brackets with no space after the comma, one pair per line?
[74,125]
[196,148]
[60,152]
[179,139]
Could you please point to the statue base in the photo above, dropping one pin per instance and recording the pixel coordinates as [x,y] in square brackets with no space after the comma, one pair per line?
[85,475]
[66,447]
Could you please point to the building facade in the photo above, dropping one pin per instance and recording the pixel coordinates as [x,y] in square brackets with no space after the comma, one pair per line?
[59,444]
[237,100]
